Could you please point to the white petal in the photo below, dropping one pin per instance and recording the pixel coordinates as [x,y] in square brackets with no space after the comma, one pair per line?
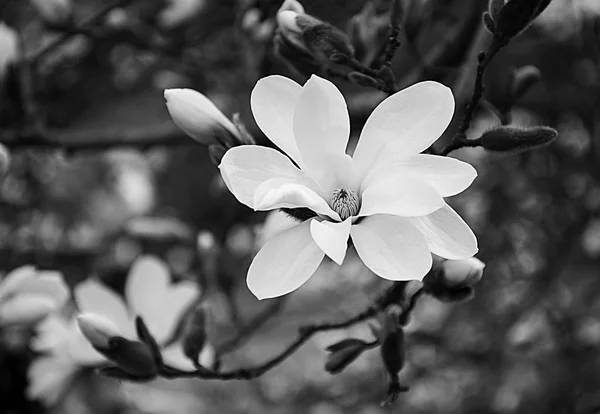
[416,116]
[401,196]
[15,280]
[25,309]
[273,103]
[448,176]
[447,234]
[97,329]
[286,193]
[50,284]
[284,263]
[246,167]
[151,295]
[50,377]
[391,247]
[94,297]
[321,124]
[196,115]
[332,238]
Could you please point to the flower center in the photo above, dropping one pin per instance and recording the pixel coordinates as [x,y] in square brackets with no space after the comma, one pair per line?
[345,202]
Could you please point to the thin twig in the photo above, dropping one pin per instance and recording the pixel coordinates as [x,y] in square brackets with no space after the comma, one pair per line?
[166,134]
[391,295]
[393,41]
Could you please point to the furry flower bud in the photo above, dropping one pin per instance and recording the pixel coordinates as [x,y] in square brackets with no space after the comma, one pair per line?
[194,335]
[133,357]
[511,138]
[343,353]
[459,273]
[54,12]
[523,79]
[199,118]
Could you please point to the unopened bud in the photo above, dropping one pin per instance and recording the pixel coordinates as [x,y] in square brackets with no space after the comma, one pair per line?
[194,335]
[199,118]
[459,273]
[495,7]
[133,357]
[511,138]
[54,12]
[4,160]
[97,329]
[516,15]
[8,48]
[435,285]
[25,309]
[523,79]
[343,353]
[391,338]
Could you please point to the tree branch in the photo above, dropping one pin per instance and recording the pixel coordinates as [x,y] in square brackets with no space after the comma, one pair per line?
[393,294]
[166,134]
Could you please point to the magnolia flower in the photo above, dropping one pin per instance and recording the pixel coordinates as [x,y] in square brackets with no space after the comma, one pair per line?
[199,118]
[27,296]
[149,294]
[8,47]
[387,198]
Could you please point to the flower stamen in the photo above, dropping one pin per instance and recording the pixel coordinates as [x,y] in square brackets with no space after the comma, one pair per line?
[345,202]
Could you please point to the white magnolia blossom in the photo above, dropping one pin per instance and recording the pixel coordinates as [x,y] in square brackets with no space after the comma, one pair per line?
[27,296]
[388,198]
[149,293]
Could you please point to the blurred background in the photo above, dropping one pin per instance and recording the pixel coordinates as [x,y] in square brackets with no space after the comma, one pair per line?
[100,175]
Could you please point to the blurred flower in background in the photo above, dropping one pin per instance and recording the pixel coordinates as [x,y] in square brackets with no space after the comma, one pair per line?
[27,296]
[8,47]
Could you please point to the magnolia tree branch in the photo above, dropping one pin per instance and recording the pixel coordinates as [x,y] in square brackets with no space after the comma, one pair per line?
[394,294]
[166,134]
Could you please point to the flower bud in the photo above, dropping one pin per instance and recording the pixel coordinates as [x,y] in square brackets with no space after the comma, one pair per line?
[133,357]
[459,273]
[4,160]
[8,48]
[194,335]
[56,13]
[343,353]
[26,309]
[523,79]
[391,339]
[199,118]
[516,15]
[511,138]
[97,329]
[435,285]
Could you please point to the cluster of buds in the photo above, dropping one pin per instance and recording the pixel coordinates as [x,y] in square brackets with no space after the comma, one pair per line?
[27,296]
[507,19]
[453,280]
[198,117]
[134,360]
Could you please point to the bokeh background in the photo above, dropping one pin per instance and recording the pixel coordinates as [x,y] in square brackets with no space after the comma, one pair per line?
[528,342]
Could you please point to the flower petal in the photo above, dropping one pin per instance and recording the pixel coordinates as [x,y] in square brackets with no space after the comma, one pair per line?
[151,295]
[50,377]
[401,196]
[273,103]
[332,238]
[447,234]
[50,284]
[284,263]
[321,120]
[287,193]
[448,176]
[415,116]
[92,296]
[15,280]
[246,167]
[391,247]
